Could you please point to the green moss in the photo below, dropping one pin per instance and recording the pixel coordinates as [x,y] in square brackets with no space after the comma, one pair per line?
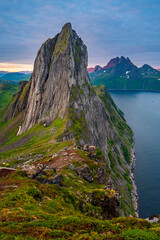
[77,54]
[35,193]
[62,43]
[78,124]
[99,153]
[128,180]
[139,234]
[126,153]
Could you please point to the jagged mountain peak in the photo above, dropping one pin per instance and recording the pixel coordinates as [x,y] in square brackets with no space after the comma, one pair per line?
[60,63]
[60,87]
[94,69]
[116,61]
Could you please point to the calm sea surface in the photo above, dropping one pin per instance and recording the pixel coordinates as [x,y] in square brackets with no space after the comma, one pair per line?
[142,112]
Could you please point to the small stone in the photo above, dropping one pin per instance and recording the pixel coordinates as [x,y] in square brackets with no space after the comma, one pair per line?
[72,167]
[57,179]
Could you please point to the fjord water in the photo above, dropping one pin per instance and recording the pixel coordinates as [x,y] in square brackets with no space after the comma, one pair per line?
[142,112]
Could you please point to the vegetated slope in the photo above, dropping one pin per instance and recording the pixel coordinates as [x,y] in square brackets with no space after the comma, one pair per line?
[33,210]
[6,93]
[63,186]
[122,74]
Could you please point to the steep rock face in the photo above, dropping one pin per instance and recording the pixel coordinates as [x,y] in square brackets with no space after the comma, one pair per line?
[61,62]
[60,84]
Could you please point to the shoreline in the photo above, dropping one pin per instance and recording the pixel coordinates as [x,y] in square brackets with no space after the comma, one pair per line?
[134,193]
[131,90]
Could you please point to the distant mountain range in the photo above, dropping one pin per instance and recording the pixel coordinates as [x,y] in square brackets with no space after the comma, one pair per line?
[2,73]
[14,77]
[122,74]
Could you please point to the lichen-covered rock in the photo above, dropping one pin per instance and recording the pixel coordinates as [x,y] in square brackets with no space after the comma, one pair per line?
[57,179]
[33,170]
[109,201]
[101,174]
[84,172]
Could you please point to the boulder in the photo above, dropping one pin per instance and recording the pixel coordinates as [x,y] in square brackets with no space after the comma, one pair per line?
[57,179]
[33,170]
[101,174]
[84,172]
[109,203]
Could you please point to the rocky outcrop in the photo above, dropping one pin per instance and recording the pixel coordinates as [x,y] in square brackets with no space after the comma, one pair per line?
[60,64]
[101,174]
[60,85]
[33,171]
[43,173]
[109,202]
[85,173]
[153,219]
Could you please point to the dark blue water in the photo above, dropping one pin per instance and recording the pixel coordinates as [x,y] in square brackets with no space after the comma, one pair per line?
[142,112]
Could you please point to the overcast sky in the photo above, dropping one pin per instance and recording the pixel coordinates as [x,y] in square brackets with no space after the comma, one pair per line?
[109,28]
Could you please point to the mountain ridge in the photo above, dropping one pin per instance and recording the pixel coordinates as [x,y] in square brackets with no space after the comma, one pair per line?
[122,74]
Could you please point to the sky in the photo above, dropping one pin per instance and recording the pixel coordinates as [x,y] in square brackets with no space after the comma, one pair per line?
[109,28]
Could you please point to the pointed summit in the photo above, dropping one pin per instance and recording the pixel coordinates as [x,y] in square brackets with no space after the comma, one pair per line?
[94,69]
[115,61]
[60,63]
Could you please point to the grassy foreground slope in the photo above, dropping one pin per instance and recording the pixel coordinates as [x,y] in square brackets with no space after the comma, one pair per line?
[31,208]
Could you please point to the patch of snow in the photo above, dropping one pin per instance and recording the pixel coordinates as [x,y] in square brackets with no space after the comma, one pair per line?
[19,130]
[127,72]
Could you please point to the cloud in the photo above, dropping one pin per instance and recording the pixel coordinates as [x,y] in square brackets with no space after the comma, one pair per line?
[7,66]
[108,28]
